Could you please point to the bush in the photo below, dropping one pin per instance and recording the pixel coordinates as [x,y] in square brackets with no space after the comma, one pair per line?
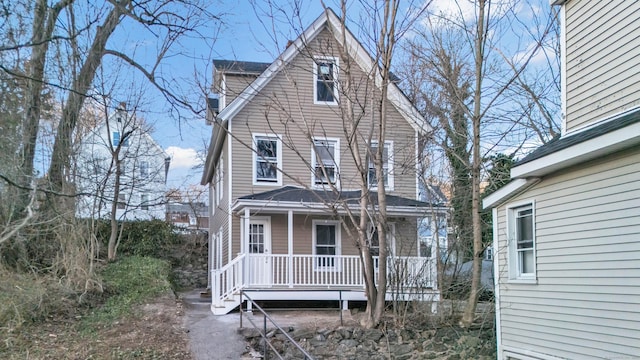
[141,238]
[130,281]
[26,298]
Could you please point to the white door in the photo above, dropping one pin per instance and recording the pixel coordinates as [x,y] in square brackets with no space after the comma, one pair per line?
[259,246]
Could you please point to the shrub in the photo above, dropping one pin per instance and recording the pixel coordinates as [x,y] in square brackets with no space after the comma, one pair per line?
[141,238]
[131,281]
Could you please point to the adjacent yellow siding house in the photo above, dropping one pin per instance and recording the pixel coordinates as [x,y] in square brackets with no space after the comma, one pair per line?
[567,227]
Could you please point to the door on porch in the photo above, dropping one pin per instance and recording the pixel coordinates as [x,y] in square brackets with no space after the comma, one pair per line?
[259,248]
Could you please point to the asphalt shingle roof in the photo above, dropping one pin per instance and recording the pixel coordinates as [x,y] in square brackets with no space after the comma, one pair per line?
[295,194]
[241,66]
[560,143]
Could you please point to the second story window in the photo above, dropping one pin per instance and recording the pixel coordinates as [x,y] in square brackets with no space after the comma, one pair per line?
[267,159]
[387,165]
[325,87]
[325,161]
[144,202]
[116,139]
[144,169]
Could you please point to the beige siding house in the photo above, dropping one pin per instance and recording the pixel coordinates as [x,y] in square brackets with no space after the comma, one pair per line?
[567,227]
[283,175]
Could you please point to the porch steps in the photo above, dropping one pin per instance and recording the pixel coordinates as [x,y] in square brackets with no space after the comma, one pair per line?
[227,305]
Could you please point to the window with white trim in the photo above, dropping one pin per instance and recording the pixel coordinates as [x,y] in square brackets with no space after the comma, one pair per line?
[144,169]
[522,244]
[144,202]
[326,243]
[122,201]
[325,156]
[325,84]
[267,158]
[387,165]
[116,138]
[374,241]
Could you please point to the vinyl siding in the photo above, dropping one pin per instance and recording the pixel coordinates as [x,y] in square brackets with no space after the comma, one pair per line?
[586,302]
[603,77]
[219,219]
[235,84]
[285,107]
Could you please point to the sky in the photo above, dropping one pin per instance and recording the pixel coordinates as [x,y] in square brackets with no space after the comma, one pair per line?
[246,33]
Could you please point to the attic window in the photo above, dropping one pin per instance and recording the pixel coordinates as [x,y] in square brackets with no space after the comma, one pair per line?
[325,72]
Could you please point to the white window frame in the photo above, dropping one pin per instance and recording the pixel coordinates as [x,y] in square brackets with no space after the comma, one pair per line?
[338,246]
[144,169]
[389,166]
[335,72]
[515,264]
[391,237]
[279,166]
[219,181]
[144,202]
[115,143]
[315,181]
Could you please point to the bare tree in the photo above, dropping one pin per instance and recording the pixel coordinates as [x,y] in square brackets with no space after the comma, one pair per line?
[464,62]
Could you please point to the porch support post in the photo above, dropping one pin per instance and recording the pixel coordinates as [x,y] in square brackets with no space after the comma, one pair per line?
[244,241]
[290,246]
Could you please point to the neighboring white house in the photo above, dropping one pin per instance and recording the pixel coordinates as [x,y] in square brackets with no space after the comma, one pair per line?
[122,140]
[567,227]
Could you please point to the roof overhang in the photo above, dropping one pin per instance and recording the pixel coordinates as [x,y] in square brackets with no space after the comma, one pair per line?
[511,189]
[270,206]
[594,148]
[215,148]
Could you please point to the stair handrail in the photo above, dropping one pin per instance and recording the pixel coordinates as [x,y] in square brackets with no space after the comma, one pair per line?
[263,332]
[218,293]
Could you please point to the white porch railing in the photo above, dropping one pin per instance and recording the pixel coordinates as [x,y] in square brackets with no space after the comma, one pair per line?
[309,271]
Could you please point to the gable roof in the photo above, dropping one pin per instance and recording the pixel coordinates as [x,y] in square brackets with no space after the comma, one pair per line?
[354,48]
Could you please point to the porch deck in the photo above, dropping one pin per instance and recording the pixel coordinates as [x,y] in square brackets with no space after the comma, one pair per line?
[314,277]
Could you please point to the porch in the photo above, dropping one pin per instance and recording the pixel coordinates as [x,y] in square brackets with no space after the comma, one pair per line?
[316,277]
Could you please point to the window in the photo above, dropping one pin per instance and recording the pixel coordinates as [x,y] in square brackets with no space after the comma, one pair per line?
[144,169]
[326,240]
[374,241]
[325,72]
[522,264]
[144,201]
[122,201]
[267,159]
[488,253]
[219,181]
[325,161]
[115,139]
[387,165]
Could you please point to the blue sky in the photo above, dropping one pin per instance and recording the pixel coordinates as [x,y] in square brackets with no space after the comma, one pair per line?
[247,33]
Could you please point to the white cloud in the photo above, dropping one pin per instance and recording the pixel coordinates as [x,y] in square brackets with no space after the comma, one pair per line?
[182,158]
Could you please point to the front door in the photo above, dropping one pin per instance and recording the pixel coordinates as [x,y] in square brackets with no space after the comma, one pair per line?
[259,246]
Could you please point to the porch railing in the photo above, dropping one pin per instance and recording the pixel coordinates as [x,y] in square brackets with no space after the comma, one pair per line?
[309,271]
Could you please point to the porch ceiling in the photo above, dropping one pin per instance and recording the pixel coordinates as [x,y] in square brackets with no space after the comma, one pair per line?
[300,200]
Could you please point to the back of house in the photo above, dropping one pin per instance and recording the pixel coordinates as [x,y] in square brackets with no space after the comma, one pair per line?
[567,227]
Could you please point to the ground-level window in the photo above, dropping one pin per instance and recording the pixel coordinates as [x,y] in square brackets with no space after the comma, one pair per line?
[144,201]
[326,242]
[521,223]
[374,241]
[122,201]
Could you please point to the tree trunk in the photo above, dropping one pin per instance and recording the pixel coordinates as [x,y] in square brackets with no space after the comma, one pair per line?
[60,159]
[112,247]
[43,25]
[470,309]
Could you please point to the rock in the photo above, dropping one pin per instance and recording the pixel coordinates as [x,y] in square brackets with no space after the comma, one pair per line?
[372,334]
